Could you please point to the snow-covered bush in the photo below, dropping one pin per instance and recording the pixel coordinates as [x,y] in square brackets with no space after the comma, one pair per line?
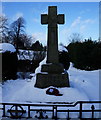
[9,61]
[29,60]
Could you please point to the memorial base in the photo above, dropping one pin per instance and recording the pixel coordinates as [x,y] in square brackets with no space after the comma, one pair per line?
[44,80]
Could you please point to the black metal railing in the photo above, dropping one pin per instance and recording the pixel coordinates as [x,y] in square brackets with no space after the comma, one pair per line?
[17,110]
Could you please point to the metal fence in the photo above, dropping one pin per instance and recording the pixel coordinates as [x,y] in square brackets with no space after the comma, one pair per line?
[16,110]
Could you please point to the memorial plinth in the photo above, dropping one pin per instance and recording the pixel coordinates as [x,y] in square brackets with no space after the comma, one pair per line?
[56,80]
[52,73]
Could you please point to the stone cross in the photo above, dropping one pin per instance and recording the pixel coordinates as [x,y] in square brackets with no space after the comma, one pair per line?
[52,73]
[52,19]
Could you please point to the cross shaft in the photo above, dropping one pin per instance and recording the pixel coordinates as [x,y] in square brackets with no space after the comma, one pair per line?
[52,19]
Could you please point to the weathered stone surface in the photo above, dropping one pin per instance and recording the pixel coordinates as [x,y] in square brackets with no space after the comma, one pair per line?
[52,19]
[56,80]
[52,68]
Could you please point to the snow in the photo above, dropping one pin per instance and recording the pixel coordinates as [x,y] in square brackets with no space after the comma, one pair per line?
[13,92]
[25,55]
[38,69]
[84,87]
[30,54]
[85,81]
[51,90]
[6,47]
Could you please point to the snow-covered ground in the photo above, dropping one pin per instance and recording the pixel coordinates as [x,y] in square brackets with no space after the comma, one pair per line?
[84,87]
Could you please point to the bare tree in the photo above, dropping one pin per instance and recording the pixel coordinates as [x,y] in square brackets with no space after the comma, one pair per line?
[26,39]
[17,28]
[3,27]
[75,37]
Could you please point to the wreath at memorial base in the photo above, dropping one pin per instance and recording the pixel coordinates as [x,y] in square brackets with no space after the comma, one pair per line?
[53,91]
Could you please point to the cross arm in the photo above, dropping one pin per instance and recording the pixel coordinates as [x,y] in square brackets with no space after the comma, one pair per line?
[44,19]
[60,19]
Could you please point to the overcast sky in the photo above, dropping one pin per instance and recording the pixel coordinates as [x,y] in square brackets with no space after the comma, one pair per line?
[80,18]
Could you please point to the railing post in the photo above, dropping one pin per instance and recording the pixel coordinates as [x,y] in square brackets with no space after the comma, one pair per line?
[4,110]
[54,112]
[16,108]
[68,115]
[29,111]
[92,107]
[80,116]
